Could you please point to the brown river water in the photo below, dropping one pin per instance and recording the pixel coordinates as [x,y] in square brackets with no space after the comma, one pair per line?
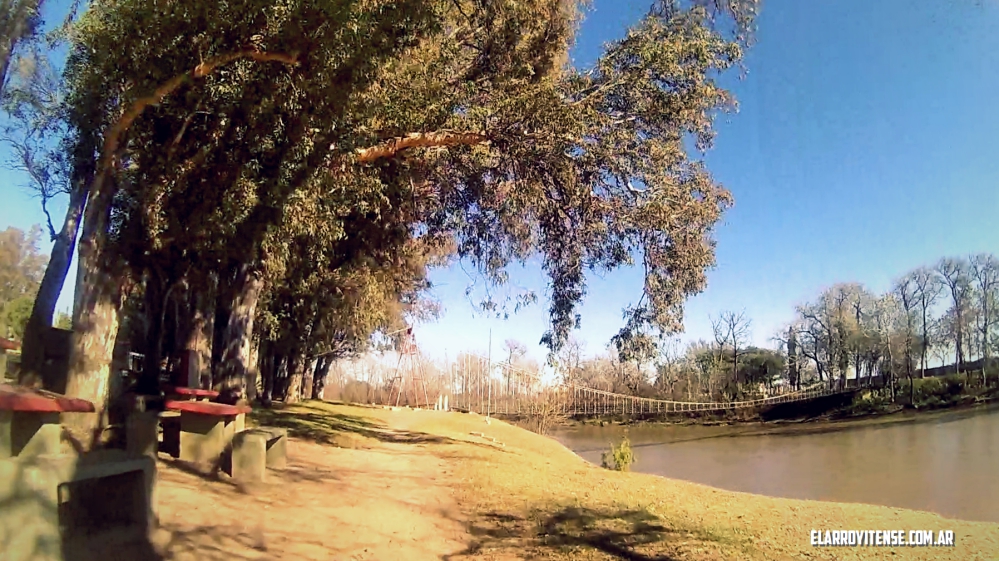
[945,462]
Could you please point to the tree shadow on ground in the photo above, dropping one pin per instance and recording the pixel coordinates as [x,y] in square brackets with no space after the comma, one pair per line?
[628,535]
[347,431]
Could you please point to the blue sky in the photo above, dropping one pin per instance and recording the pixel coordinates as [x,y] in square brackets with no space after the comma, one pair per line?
[866,144]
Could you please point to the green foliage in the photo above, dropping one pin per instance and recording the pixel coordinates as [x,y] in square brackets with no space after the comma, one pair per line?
[257,162]
[63,321]
[620,457]
[21,269]
[14,317]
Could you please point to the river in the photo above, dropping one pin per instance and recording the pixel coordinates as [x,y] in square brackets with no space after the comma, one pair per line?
[941,462]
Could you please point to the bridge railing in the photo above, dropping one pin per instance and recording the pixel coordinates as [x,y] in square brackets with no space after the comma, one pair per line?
[581,400]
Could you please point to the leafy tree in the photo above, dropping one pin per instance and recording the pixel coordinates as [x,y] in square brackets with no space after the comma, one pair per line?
[209,133]
[64,321]
[21,269]
[19,20]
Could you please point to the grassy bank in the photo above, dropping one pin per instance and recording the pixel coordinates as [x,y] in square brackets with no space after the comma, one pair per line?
[526,496]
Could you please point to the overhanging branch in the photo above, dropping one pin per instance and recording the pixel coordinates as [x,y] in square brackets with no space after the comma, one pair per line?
[110,148]
[435,139]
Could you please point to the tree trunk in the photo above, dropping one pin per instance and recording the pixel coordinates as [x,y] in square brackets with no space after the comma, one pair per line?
[153,308]
[200,329]
[267,366]
[253,374]
[94,334]
[319,377]
[307,378]
[43,310]
[280,381]
[294,383]
[97,303]
[234,362]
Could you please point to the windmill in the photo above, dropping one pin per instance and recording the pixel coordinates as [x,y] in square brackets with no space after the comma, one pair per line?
[409,361]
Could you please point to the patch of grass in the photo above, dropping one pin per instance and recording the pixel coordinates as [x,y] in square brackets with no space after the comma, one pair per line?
[336,424]
[620,457]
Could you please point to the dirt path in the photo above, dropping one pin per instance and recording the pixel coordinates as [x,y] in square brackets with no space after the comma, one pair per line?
[391,501]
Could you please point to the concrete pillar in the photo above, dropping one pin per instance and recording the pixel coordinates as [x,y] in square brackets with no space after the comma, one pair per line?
[29,433]
[189,374]
[142,433]
[249,456]
[202,438]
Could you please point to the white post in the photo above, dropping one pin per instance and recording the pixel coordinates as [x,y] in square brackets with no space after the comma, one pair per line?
[445,403]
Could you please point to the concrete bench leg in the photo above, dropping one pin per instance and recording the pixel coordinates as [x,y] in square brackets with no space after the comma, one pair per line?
[142,433]
[202,438]
[277,452]
[249,456]
[29,433]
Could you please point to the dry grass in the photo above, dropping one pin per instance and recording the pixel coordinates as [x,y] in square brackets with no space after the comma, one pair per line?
[527,496]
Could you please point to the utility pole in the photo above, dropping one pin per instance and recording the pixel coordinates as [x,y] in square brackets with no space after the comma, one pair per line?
[489,373]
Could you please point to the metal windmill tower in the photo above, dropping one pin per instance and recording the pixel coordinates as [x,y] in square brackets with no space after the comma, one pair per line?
[409,361]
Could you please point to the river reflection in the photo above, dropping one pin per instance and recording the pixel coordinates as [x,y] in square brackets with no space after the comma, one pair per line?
[941,462]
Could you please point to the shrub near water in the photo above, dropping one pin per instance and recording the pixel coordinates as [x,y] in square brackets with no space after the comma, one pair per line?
[619,457]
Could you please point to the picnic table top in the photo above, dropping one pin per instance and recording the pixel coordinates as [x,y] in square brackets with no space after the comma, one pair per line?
[197,392]
[207,408]
[20,398]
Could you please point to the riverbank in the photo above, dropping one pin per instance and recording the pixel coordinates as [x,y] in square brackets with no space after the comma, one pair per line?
[367,483]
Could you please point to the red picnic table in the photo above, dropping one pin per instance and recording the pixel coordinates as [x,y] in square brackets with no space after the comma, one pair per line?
[29,419]
[190,393]
[205,429]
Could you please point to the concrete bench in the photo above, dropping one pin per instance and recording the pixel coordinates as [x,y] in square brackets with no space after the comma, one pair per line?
[255,449]
[51,500]
[205,428]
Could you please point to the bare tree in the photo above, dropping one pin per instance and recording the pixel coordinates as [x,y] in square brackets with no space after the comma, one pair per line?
[954,274]
[928,289]
[732,329]
[570,359]
[515,350]
[668,366]
[886,319]
[905,292]
[985,273]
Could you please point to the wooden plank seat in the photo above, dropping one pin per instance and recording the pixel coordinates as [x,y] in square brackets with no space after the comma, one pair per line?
[255,449]
[205,428]
[29,420]
[190,393]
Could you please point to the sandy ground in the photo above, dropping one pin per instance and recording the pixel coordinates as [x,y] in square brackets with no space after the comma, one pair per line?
[330,503]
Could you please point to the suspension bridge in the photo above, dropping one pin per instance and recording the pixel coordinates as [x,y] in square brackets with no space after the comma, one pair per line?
[522,394]
[576,401]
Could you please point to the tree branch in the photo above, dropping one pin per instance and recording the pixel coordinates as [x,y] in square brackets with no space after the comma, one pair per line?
[443,138]
[200,71]
[110,148]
